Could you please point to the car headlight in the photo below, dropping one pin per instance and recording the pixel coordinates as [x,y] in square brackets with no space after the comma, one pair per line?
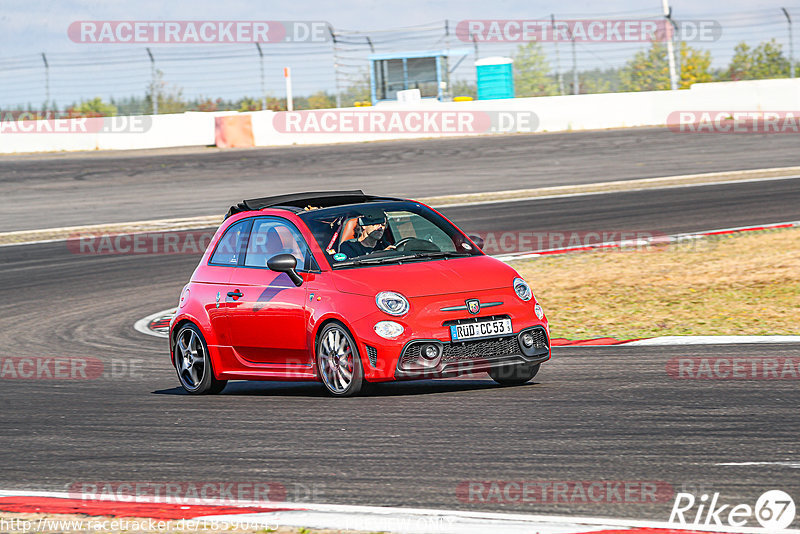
[522,289]
[388,329]
[392,303]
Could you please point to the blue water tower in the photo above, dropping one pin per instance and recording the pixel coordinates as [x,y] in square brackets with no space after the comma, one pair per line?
[495,78]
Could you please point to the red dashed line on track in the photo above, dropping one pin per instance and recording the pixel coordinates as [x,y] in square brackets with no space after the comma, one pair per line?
[561,342]
[646,531]
[54,505]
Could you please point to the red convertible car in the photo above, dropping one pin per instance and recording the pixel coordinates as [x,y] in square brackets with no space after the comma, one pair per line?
[347,288]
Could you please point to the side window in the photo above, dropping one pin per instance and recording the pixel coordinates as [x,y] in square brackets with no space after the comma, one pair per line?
[231,244]
[273,236]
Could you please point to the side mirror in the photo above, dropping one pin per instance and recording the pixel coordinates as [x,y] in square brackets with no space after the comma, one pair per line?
[285,263]
[477,240]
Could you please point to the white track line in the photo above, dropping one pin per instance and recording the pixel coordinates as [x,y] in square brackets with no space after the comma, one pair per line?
[791,465]
[419,520]
[142,325]
[711,340]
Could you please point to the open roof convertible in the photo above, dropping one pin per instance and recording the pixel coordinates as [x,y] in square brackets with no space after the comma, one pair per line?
[347,288]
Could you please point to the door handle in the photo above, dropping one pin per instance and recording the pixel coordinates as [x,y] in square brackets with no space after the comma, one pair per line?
[235,294]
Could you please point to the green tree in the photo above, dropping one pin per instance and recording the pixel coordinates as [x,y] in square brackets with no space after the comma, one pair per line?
[595,81]
[648,70]
[94,108]
[206,104]
[695,66]
[321,100]
[464,88]
[249,104]
[170,98]
[358,91]
[764,61]
[532,72]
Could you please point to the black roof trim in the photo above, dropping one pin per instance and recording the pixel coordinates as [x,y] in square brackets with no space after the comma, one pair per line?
[321,199]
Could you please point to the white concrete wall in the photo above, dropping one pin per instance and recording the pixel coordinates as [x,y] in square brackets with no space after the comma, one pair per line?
[182,129]
[580,112]
[555,113]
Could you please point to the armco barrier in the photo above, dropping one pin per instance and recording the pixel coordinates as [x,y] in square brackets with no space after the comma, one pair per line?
[555,113]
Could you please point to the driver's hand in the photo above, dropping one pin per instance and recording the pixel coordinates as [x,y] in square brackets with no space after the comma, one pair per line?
[390,247]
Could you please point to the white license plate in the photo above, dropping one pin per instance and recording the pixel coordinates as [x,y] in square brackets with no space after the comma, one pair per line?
[498,327]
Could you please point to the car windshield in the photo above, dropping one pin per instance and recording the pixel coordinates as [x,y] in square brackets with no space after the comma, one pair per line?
[384,232]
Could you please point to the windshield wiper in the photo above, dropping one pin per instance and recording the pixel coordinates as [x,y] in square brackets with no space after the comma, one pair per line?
[441,254]
[373,261]
[405,257]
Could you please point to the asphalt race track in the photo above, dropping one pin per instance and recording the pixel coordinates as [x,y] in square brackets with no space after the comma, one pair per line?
[667,211]
[593,414]
[90,188]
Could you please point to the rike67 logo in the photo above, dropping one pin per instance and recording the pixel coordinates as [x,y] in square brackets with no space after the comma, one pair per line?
[774,511]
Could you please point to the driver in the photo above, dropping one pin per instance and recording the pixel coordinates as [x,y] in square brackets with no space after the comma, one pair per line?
[369,237]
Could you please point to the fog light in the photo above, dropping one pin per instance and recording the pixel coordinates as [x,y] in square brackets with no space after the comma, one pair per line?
[430,352]
[388,329]
[527,340]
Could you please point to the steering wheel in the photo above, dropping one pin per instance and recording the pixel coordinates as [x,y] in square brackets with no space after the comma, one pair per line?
[403,242]
[419,245]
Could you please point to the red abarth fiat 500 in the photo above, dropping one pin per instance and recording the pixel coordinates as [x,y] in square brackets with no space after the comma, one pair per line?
[347,288]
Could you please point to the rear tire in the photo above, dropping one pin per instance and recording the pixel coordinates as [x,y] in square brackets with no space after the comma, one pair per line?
[514,375]
[338,362]
[193,363]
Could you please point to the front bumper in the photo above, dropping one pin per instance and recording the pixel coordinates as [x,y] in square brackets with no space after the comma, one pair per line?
[429,321]
[460,357]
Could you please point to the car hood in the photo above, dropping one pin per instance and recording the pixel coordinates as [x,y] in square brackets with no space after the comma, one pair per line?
[427,278]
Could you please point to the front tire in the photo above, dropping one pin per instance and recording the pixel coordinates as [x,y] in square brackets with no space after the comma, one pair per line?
[193,363]
[338,362]
[514,375]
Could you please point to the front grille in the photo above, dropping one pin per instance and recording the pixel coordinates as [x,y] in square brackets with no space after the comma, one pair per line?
[411,354]
[482,348]
[539,338]
[372,354]
[466,350]
[479,349]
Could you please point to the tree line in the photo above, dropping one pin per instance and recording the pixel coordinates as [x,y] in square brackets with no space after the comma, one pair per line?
[648,69]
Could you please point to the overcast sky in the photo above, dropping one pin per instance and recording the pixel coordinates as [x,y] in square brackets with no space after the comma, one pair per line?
[29,27]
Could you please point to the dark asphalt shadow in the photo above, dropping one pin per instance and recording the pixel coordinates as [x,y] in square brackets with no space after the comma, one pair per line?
[314,389]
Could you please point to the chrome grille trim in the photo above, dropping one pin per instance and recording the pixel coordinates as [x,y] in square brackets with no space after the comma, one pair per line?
[464,307]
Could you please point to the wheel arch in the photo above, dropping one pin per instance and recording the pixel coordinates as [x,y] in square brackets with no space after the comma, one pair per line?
[180,322]
[322,323]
